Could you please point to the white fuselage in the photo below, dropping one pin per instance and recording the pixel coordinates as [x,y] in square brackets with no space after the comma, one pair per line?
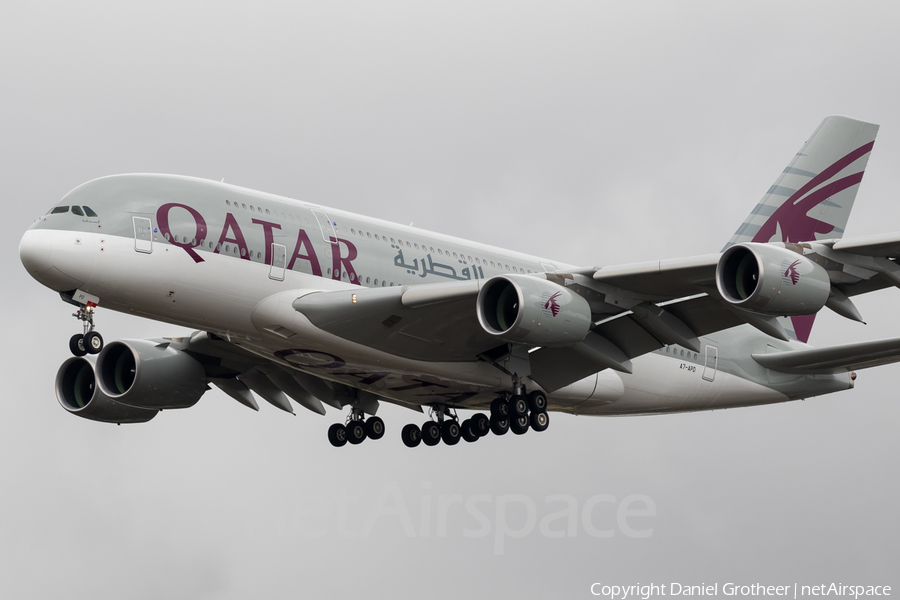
[247,300]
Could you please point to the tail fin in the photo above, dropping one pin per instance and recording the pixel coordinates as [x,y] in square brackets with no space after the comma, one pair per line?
[813,196]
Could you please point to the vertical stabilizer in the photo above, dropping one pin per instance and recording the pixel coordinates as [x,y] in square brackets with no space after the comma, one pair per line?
[812,198]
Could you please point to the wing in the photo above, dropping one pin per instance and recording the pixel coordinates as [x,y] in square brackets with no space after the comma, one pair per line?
[835,359]
[634,308]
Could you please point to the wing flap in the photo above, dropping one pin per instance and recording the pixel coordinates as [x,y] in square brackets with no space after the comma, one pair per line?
[835,359]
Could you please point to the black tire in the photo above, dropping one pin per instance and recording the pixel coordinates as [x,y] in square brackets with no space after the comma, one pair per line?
[356,432]
[411,435]
[500,408]
[519,425]
[450,432]
[76,345]
[537,401]
[481,424]
[499,426]
[431,433]
[540,421]
[375,428]
[337,435]
[518,406]
[468,431]
[93,342]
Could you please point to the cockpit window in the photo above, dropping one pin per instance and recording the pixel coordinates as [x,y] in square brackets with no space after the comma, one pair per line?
[77,210]
[89,212]
[59,209]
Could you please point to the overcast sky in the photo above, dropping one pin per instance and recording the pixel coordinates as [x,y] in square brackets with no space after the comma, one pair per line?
[589,132]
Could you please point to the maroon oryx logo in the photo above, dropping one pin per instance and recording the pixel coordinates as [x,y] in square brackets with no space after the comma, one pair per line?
[791,272]
[552,305]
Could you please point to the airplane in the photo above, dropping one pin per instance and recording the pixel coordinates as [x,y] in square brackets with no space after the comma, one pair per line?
[298,301]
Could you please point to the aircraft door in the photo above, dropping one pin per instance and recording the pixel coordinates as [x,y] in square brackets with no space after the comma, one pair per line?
[143,235]
[711,363]
[279,258]
[327,226]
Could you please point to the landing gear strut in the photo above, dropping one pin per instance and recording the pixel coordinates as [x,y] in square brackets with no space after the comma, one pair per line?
[89,342]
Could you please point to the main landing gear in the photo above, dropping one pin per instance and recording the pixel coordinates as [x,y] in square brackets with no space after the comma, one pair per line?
[356,429]
[445,426]
[90,342]
[518,413]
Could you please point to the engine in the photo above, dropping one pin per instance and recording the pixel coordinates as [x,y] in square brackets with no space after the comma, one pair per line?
[527,310]
[771,280]
[149,374]
[77,392]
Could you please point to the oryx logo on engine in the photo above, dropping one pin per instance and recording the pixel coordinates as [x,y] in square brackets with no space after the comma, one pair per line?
[551,304]
[791,272]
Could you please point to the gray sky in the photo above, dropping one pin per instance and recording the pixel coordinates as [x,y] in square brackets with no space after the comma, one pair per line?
[590,132]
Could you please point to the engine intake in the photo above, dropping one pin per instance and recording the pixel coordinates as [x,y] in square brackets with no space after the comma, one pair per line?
[771,280]
[150,374]
[77,392]
[527,310]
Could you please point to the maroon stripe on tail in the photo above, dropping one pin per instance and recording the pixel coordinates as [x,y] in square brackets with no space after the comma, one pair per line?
[796,225]
[803,326]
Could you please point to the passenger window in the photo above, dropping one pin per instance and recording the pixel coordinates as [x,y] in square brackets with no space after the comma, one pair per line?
[59,210]
[77,211]
[89,212]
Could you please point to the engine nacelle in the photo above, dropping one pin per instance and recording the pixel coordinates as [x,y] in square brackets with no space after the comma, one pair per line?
[528,310]
[148,374]
[77,392]
[771,280]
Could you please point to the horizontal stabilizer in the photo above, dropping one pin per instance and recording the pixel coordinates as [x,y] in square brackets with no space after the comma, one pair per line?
[835,359]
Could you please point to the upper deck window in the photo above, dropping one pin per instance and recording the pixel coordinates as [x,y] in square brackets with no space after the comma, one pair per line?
[77,210]
[59,209]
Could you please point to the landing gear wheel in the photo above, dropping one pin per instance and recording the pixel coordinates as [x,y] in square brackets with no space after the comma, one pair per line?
[519,406]
[468,431]
[431,433]
[76,345]
[356,432]
[500,408]
[481,425]
[519,425]
[537,402]
[337,435]
[499,426]
[450,432]
[540,421]
[93,342]
[375,428]
[411,435]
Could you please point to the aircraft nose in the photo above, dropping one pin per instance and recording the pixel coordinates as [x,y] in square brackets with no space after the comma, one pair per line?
[36,254]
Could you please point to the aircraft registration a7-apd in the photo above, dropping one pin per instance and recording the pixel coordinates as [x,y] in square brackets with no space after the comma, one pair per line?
[325,307]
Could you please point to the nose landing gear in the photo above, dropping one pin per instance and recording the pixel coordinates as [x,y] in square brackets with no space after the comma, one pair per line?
[89,342]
